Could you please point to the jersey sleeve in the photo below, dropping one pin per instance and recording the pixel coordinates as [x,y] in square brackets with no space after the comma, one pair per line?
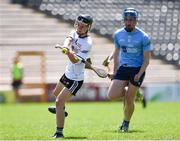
[71,34]
[116,41]
[147,46]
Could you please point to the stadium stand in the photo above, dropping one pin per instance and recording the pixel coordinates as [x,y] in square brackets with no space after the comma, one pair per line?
[25,29]
[159,18]
[34,31]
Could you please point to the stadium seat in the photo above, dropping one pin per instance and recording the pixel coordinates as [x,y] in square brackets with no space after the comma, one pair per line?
[159,18]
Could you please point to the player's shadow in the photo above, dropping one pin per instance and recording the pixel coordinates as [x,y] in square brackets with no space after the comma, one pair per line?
[79,138]
[130,131]
[136,131]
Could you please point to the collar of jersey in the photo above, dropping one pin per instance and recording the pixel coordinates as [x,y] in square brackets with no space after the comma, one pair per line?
[83,36]
[131,32]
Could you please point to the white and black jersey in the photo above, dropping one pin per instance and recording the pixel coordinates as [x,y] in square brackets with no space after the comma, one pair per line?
[81,47]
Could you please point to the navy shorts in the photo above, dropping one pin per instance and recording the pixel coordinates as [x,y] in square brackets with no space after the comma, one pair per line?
[72,85]
[128,73]
[16,84]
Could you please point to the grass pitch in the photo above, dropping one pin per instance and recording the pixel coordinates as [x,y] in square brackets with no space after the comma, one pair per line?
[90,121]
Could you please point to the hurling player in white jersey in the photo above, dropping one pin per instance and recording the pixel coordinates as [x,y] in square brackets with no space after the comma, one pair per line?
[78,45]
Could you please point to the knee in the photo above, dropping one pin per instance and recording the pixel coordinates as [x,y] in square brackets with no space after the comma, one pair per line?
[116,95]
[112,96]
[109,97]
[60,102]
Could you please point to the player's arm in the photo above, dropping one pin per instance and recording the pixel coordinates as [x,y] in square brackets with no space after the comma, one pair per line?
[111,56]
[72,57]
[147,56]
[116,59]
[67,42]
[114,55]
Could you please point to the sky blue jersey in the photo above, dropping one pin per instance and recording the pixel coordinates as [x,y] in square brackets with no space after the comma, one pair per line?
[132,46]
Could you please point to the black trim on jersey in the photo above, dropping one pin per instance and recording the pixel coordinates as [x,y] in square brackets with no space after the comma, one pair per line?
[69,37]
[83,36]
[83,60]
[84,51]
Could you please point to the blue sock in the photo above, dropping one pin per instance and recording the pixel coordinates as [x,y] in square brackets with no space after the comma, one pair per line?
[125,123]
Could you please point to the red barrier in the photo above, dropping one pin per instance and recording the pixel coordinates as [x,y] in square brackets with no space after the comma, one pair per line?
[88,92]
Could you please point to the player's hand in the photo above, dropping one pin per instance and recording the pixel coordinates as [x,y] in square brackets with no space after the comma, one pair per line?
[65,50]
[110,75]
[137,77]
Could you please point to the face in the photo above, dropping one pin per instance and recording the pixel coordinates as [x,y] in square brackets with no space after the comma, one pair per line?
[16,60]
[130,23]
[81,28]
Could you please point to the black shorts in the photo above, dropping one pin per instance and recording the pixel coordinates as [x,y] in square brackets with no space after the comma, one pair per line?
[128,73]
[72,85]
[16,84]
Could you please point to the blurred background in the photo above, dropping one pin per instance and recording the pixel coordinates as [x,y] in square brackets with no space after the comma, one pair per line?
[29,30]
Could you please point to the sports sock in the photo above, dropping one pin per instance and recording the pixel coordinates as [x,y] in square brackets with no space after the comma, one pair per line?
[59,129]
[125,123]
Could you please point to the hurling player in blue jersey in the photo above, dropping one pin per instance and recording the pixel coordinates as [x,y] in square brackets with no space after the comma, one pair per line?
[131,57]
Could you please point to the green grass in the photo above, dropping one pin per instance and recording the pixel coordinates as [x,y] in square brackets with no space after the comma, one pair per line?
[90,121]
